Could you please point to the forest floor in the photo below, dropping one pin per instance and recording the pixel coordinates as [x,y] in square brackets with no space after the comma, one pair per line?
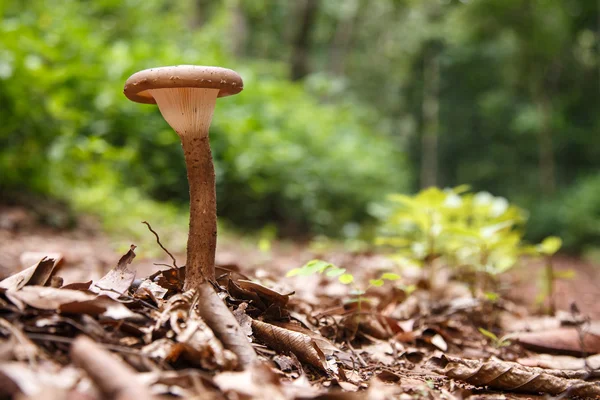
[424,344]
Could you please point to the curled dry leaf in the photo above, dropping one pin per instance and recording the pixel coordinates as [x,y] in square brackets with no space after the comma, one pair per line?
[285,340]
[510,376]
[118,280]
[37,274]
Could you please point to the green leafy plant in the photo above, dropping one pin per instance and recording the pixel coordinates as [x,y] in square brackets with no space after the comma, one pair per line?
[474,232]
[358,291]
[478,235]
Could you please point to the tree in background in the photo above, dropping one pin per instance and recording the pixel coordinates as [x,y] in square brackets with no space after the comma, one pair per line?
[499,94]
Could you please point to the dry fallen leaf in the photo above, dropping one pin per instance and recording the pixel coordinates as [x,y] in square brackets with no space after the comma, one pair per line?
[21,348]
[257,382]
[503,375]
[118,280]
[32,380]
[563,340]
[561,362]
[37,274]
[32,257]
[69,301]
[285,340]
[269,296]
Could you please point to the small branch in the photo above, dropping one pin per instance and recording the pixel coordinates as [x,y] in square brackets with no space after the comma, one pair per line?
[160,244]
[174,266]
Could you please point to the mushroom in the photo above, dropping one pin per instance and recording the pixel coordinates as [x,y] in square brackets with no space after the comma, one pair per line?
[186,96]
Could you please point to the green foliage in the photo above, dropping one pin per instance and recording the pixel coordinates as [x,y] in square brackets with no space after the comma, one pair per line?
[281,155]
[550,245]
[575,213]
[475,233]
[469,230]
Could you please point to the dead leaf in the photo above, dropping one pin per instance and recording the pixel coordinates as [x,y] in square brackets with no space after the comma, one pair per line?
[510,376]
[70,302]
[256,382]
[78,286]
[37,274]
[115,378]
[285,340]
[269,296]
[561,362]
[22,349]
[46,298]
[438,341]
[33,380]
[563,340]
[243,319]
[118,280]
[157,291]
[32,257]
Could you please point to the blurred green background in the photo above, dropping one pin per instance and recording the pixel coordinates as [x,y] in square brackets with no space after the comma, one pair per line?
[345,101]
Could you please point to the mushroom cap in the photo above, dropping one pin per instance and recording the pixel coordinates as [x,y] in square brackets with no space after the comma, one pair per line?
[138,86]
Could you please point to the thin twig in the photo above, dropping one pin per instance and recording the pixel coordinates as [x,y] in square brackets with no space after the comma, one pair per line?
[174,266]
[160,244]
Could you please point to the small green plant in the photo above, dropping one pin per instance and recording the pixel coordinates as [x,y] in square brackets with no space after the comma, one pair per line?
[358,291]
[478,235]
[546,249]
[496,341]
[473,232]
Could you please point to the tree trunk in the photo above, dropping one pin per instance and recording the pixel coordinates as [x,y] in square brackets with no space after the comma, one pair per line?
[301,44]
[431,122]
[239,29]
[342,41]
[546,160]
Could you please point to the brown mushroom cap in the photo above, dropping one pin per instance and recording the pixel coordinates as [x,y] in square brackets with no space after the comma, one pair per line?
[138,86]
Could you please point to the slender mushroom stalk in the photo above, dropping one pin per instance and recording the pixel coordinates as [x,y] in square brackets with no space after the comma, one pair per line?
[186,96]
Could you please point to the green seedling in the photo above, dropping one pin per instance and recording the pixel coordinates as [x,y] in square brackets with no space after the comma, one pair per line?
[328,269]
[547,249]
[477,235]
[496,341]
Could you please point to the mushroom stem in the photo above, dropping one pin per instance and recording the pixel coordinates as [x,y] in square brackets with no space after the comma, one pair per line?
[202,237]
[189,111]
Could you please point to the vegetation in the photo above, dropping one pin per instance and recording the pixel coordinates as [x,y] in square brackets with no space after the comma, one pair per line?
[501,95]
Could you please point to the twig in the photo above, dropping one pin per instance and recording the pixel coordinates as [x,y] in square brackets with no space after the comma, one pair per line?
[174,266]
[160,244]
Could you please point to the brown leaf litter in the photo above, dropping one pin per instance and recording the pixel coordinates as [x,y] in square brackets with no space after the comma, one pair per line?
[126,338]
